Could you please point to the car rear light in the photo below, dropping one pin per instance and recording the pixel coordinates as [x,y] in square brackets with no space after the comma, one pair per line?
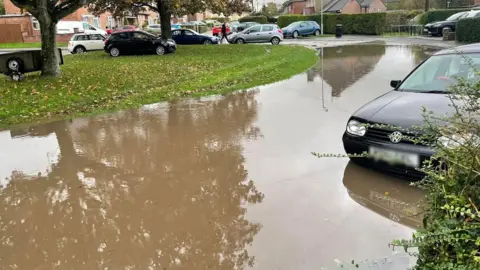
[280,31]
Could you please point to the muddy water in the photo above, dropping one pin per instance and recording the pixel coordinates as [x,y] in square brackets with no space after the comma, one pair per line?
[211,183]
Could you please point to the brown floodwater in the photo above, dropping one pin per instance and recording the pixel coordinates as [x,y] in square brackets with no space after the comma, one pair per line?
[225,182]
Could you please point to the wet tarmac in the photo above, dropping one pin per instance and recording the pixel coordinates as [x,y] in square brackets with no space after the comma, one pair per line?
[212,183]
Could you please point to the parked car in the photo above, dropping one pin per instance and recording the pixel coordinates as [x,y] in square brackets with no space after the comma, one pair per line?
[138,42]
[154,28]
[233,26]
[16,64]
[81,43]
[301,28]
[217,30]
[242,26]
[436,28]
[391,149]
[68,27]
[125,28]
[187,36]
[258,33]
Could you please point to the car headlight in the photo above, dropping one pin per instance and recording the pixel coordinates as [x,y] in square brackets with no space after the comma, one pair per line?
[356,128]
[457,140]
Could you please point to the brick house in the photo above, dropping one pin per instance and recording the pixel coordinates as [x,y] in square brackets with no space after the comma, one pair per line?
[295,7]
[354,6]
[103,20]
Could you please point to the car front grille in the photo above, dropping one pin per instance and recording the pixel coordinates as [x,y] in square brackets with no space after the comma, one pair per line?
[382,134]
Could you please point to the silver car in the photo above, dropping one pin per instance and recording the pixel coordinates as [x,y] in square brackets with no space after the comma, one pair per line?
[257,34]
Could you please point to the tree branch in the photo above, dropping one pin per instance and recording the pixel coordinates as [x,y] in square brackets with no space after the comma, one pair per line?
[28,5]
[143,4]
[66,8]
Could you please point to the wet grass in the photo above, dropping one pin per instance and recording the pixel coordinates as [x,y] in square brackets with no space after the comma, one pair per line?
[94,83]
[27,45]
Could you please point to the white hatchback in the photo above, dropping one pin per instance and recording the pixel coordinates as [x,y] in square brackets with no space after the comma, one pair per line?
[81,43]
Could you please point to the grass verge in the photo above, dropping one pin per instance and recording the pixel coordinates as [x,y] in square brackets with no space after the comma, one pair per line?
[94,83]
[27,45]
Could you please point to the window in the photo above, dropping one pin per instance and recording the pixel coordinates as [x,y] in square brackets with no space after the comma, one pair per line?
[96,37]
[441,71]
[303,25]
[87,26]
[35,24]
[110,22]
[176,33]
[267,28]
[122,36]
[141,36]
[96,22]
[255,29]
[81,38]
[189,33]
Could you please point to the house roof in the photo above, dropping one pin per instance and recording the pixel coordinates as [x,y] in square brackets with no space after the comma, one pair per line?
[338,5]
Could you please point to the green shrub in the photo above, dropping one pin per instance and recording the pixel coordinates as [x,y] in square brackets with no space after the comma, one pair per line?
[468,30]
[363,24]
[272,19]
[439,15]
[258,19]
[400,17]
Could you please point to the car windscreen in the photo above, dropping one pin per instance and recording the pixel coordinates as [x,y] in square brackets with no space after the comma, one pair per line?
[456,16]
[440,72]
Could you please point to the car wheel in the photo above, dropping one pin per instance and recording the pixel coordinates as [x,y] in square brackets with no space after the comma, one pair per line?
[207,42]
[14,64]
[17,77]
[295,34]
[275,41]
[240,41]
[317,33]
[79,49]
[160,50]
[114,52]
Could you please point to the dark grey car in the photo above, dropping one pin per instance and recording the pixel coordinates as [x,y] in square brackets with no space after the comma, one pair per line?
[258,34]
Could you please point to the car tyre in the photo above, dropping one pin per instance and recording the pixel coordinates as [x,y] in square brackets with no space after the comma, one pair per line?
[79,50]
[207,42]
[316,33]
[160,50]
[14,64]
[295,34]
[275,41]
[114,52]
[240,41]
[17,76]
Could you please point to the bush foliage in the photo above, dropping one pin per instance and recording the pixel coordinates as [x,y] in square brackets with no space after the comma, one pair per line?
[468,30]
[400,17]
[439,15]
[363,24]
[258,19]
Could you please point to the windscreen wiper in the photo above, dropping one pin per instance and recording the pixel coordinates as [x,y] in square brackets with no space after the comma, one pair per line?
[436,92]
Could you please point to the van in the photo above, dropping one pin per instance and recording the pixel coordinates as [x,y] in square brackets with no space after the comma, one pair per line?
[67,27]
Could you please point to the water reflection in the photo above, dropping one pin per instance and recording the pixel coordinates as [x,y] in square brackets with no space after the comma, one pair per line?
[343,66]
[388,196]
[153,188]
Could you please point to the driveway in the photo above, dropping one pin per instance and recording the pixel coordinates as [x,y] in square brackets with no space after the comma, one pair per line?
[224,182]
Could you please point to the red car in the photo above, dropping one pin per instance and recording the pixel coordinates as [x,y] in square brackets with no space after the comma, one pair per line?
[217,30]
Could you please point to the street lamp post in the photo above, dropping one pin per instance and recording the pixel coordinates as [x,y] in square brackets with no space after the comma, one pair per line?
[321,19]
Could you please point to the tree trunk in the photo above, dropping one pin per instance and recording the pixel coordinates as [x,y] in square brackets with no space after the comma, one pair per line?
[49,46]
[165,17]
[427,5]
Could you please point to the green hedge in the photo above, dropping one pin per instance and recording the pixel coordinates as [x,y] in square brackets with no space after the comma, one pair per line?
[468,30]
[258,19]
[401,17]
[363,24]
[439,15]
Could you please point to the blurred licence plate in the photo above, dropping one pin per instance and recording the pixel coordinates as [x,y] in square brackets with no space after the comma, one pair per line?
[395,157]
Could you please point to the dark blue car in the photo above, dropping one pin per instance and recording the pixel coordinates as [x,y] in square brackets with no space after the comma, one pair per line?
[302,28]
[187,37]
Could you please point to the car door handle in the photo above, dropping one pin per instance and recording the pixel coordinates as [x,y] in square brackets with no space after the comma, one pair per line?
[258,34]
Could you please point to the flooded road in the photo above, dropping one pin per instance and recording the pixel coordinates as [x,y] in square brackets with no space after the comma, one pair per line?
[211,183]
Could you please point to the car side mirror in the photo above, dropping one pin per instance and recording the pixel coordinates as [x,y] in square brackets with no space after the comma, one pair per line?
[395,83]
